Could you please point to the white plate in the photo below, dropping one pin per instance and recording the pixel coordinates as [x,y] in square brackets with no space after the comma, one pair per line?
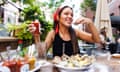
[73,68]
[4,69]
[44,63]
[39,64]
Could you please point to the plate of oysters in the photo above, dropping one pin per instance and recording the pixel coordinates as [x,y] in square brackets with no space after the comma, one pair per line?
[74,63]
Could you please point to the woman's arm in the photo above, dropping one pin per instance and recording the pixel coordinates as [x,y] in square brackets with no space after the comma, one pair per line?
[49,38]
[42,47]
[93,36]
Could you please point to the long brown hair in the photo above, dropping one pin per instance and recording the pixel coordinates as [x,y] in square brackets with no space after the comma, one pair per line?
[71,30]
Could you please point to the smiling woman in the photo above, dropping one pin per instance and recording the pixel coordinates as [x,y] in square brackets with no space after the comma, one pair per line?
[63,37]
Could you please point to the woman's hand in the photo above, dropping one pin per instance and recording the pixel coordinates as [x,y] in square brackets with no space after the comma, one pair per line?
[34,27]
[93,35]
[83,20]
[31,28]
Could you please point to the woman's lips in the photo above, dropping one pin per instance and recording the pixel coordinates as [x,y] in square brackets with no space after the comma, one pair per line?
[69,21]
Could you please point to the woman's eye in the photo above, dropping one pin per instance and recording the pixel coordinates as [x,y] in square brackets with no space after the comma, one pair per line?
[69,14]
[66,13]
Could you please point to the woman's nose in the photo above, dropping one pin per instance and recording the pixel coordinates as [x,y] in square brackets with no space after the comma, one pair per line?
[70,17]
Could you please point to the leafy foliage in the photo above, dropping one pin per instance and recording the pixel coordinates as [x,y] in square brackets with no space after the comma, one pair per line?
[25,1]
[21,31]
[88,3]
[53,4]
[32,12]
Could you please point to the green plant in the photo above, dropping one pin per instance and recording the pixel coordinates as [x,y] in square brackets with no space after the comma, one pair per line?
[32,12]
[25,1]
[21,31]
[88,4]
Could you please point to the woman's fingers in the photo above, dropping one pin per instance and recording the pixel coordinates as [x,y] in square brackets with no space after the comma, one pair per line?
[82,20]
[31,28]
[78,21]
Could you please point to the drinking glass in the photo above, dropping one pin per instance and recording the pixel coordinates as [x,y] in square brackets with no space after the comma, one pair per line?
[41,48]
[102,55]
[42,57]
[9,60]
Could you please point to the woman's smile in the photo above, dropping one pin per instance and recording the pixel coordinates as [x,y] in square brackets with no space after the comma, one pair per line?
[69,21]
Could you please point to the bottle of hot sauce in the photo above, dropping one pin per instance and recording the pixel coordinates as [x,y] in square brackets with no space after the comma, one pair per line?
[20,45]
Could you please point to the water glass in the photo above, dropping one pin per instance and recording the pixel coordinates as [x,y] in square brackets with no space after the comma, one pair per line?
[102,55]
[41,48]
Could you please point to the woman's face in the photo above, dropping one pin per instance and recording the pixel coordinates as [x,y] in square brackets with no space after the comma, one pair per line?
[66,17]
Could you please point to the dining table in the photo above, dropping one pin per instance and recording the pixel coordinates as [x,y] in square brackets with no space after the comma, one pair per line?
[104,62]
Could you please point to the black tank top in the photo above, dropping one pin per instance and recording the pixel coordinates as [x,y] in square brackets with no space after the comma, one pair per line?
[58,46]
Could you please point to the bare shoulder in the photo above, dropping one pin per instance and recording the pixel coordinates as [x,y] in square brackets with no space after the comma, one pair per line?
[52,32]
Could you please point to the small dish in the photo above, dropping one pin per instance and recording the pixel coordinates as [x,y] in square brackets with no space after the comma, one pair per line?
[4,69]
[116,55]
[45,66]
